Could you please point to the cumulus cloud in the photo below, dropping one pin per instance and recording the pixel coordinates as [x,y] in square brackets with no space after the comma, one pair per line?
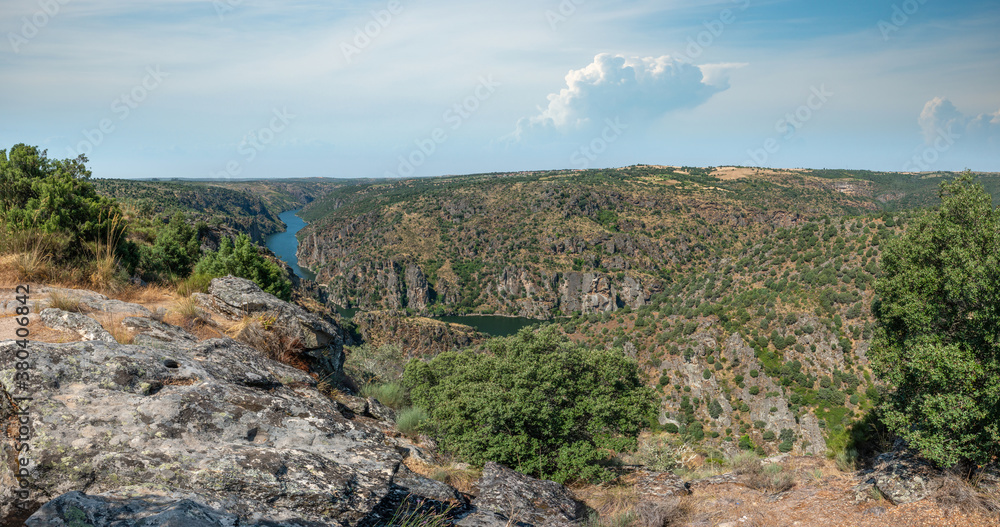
[940,117]
[631,88]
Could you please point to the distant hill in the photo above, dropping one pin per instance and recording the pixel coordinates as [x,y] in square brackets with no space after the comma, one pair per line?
[244,206]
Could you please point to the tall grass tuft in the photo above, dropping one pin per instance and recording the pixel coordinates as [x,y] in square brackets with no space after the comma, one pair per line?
[33,264]
[408,421]
[105,264]
[390,394]
[64,302]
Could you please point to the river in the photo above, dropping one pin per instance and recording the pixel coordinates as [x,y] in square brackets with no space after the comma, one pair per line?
[285,244]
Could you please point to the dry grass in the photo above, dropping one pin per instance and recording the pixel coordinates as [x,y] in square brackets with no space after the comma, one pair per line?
[33,265]
[148,294]
[65,302]
[623,506]
[960,494]
[461,478]
[274,340]
[112,322]
[771,478]
[186,313]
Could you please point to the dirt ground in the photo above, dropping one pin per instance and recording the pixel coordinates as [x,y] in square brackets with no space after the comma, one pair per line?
[821,497]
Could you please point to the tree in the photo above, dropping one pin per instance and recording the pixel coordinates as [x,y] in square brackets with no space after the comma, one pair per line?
[937,343]
[52,195]
[241,259]
[175,250]
[535,402]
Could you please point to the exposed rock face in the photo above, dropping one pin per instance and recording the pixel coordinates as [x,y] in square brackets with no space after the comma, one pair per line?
[217,420]
[417,290]
[901,477]
[514,290]
[235,298]
[417,336]
[587,293]
[76,508]
[507,497]
[151,332]
[86,327]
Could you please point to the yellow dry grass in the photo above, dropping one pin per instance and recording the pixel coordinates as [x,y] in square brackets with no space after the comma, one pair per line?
[112,322]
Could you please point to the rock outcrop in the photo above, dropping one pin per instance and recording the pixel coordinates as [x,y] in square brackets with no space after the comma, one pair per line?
[901,477]
[507,498]
[416,335]
[235,298]
[217,421]
[86,327]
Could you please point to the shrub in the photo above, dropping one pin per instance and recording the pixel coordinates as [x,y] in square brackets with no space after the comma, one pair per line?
[754,390]
[175,250]
[535,402]
[938,312]
[241,259]
[54,196]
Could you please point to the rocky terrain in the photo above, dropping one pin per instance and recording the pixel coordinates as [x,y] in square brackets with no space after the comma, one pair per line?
[176,430]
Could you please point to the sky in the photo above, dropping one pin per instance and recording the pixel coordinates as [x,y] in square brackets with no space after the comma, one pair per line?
[401,88]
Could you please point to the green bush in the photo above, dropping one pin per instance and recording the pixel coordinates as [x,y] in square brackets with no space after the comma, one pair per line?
[174,252]
[54,196]
[535,402]
[938,311]
[241,258]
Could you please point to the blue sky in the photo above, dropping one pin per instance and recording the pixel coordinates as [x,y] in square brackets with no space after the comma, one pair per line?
[390,88]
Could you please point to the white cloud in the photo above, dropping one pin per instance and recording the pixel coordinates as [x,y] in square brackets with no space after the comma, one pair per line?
[940,116]
[632,88]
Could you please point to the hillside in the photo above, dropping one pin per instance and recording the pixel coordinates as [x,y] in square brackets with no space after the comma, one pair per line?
[745,294]
[243,206]
[553,243]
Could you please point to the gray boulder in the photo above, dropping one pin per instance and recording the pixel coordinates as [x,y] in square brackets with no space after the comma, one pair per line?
[217,420]
[507,498]
[901,476]
[235,298]
[76,509]
[86,327]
